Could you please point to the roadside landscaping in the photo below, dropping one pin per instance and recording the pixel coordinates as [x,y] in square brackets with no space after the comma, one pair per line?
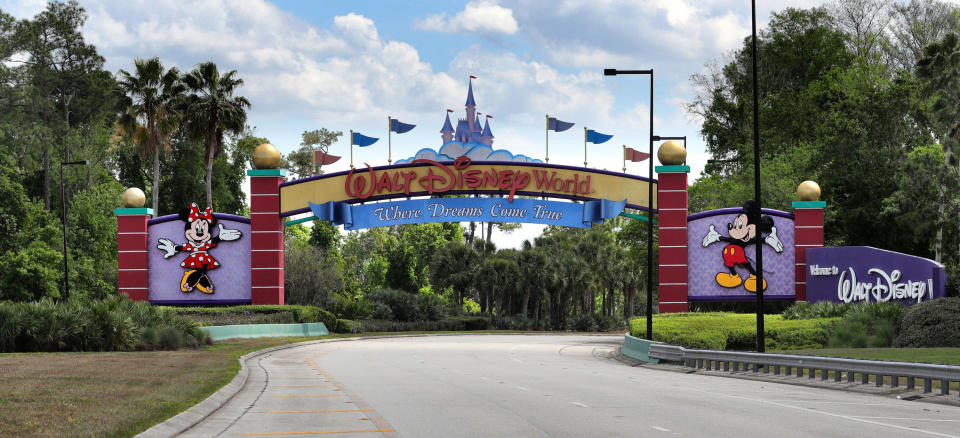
[112,394]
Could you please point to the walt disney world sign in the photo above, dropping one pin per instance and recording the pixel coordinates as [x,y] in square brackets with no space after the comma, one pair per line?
[341,197]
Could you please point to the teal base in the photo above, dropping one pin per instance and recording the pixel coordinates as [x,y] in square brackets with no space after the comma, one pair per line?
[221,332]
[638,349]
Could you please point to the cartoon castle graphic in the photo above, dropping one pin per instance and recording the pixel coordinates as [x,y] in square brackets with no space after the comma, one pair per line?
[468,129]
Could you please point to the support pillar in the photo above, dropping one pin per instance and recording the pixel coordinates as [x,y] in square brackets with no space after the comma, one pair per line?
[672,209]
[266,240]
[132,269]
[808,233]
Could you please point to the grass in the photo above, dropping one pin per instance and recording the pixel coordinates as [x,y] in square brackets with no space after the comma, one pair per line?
[949,356]
[111,394]
[123,394]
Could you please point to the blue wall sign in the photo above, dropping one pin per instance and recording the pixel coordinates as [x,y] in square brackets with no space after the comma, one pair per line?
[852,274]
[416,211]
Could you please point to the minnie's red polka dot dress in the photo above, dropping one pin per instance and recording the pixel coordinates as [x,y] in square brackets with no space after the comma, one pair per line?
[199,258]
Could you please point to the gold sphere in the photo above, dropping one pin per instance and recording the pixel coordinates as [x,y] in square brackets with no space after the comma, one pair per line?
[266,156]
[133,198]
[808,191]
[672,153]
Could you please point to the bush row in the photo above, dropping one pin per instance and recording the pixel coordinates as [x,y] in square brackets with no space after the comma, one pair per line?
[111,324]
[453,323]
[256,314]
[734,331]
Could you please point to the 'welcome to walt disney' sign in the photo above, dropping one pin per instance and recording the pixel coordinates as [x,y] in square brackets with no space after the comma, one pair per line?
[852,274]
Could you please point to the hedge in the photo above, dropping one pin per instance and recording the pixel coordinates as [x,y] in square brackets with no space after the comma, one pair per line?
[935,323]
[734,331]
[348,326]
[111,324]
[257,314]
[453,323]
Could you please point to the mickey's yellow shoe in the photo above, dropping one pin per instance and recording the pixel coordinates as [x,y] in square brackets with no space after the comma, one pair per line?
[728,280]
[751,284]
[184,287]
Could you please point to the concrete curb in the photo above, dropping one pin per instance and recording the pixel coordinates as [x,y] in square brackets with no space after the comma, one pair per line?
[638,349]
[185,420]
[221,332]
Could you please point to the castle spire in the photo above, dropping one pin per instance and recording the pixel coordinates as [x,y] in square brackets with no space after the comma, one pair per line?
[487,136]
[446,134]
[470,93]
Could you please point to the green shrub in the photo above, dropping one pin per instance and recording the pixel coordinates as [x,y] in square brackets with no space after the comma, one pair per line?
[934,323]
[111,324]
[734,331]
[256,314]
[348,326]
[352,308]
[820,309]
[455,323]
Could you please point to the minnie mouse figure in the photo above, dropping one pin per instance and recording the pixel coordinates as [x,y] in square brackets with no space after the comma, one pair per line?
[742,232]
[199,240]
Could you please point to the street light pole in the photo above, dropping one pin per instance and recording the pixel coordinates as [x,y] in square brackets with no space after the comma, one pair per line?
[614,72]
[756,183]
[63,201]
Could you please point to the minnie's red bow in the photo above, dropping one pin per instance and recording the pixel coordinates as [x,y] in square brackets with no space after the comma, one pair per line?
[195,213]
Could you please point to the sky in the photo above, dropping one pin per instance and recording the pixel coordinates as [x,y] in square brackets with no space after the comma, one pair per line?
[345,65]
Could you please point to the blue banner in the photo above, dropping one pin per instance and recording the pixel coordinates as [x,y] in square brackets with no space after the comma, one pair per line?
[362,140]
[596,137]
[400,127]
[558,125]
[415,211]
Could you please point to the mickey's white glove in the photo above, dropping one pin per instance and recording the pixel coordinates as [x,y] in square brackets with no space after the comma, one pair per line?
[711,237]
[228,235]
[774,241]
[168,246]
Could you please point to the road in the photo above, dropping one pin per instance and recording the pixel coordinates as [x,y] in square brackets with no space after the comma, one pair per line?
[537,386]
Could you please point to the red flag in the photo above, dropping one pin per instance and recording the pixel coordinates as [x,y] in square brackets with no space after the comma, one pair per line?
[472,77]
[489,116]
[630,154]
[449,110]
[324,159]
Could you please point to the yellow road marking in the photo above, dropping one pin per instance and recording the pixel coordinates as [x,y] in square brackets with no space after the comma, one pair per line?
[311,395]
[318,432]
[315,411]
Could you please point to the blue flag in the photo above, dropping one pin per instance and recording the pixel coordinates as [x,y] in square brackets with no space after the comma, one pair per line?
[558,125]
[596,137]
[400,127]
[362,140]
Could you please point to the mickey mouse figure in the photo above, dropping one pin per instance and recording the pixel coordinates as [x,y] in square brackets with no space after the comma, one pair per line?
[743,231]
[199,240]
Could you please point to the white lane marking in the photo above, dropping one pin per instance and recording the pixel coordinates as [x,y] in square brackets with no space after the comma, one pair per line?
[814,411]
[515,359]
[661,429]
[832,402]
[522,388]
[902,418]
[580,404]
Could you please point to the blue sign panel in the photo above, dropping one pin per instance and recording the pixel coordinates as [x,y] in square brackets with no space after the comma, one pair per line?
[416,211]
[850,274]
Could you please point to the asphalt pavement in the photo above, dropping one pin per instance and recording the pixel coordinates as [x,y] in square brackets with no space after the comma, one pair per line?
[537,386]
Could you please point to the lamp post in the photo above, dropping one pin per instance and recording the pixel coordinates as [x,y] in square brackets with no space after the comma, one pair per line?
[681,138]
[63,201]
[756,182]
[614,72]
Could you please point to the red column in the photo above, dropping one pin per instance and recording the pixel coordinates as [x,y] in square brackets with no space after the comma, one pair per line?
[132,268]
[808,226]
[672,216]
[266,241]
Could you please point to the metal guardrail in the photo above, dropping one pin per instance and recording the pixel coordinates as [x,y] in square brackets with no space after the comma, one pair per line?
[787,364]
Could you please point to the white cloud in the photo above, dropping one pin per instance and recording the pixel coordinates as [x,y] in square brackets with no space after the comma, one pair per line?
[477,16]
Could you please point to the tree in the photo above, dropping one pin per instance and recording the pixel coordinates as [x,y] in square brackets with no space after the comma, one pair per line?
[149,113]
[454,265]
[211,110]
[940,70]
[300,162]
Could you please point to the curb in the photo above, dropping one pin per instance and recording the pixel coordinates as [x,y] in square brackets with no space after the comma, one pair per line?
[185,420]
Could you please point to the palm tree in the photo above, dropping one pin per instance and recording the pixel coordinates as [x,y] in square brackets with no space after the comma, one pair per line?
[211,110]
[149,115]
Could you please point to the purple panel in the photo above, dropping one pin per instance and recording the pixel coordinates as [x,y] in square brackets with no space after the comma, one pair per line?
[705,263]
[865,274]
[231,281]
